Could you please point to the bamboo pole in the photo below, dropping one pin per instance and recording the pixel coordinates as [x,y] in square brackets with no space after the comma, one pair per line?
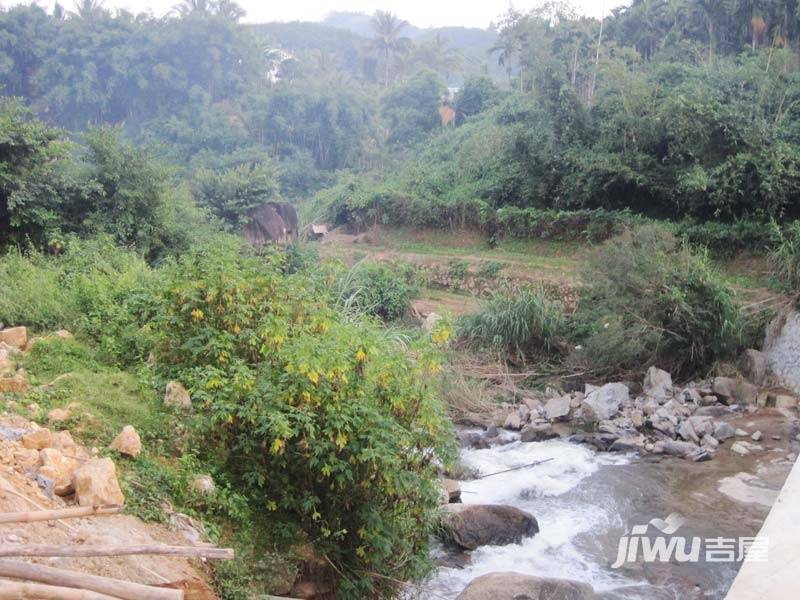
[125,590]
[56,514]
[35,591]
[89,550]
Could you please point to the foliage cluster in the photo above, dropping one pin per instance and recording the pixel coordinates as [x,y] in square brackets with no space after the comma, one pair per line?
[324,422]
[373,288]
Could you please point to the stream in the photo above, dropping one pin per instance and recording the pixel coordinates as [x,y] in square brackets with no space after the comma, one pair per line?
[584,500]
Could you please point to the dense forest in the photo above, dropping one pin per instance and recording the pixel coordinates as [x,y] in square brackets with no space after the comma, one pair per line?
[133,147]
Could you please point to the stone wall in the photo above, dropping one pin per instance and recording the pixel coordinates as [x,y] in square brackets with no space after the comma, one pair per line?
[782,347]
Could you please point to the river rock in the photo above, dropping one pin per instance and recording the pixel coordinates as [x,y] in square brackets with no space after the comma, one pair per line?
[16,337]
[723,431]
[605,402]
[516,586]
[709,441]
[740,448]
[628,444]
[176,395]
[127,442]
[757,436]
[557,408]
[687,432]
[701,425]
[538,433]
[96,483]
[657,384]
[679,449]
[473,525]
[785,401]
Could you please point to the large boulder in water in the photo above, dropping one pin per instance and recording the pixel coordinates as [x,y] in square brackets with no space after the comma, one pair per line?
[516,586]
[473,525]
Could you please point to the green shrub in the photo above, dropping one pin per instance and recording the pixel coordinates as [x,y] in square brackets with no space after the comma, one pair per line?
[525,325]
[490,269]
[651,300]
[729,239]
[324,423]
[457,269]
[374,289]
[785,258]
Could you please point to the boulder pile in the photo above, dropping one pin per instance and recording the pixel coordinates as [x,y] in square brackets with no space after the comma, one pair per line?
[661,418]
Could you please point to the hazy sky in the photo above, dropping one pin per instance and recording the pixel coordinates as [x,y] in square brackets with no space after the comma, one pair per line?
[424,13]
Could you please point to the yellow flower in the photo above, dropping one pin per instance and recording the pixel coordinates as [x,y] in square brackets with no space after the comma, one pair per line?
[313,377]
[361,356]
[197,314]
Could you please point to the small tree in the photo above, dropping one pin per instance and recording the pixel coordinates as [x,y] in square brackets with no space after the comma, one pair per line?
[232,193]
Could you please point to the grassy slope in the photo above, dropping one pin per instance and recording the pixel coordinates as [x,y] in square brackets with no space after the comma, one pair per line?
[104,399]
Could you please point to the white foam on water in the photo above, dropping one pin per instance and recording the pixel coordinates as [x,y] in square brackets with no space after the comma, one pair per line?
[552,552]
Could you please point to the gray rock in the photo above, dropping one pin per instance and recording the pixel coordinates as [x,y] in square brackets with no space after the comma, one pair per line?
[687,432]
[753,365]
[679,449]
[557,408]
[603,403]
[757,436]
[538,433]
[516,586]
[782,348]
[712,411]
[473,525]
[628,444]
[657,384]
[741,433]
[723,431]
[700,455]
[785,401]
[702,425]
[709,441]
[735,391]
[740,448]
[514,421]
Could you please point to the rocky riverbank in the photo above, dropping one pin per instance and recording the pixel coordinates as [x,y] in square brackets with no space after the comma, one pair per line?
[638,449]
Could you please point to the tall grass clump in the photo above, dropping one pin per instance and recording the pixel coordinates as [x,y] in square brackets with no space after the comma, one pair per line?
[785,257]
[652,300]
[373,289]
[522,325]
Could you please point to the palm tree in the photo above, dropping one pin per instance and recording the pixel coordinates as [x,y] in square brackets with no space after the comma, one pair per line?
[88,10]
[436,55]
[189,7]
[229,10]
[388,40]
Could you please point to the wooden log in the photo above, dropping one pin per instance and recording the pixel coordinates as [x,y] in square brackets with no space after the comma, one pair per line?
[36,591]
[89,550]
[104,585]
[62,513]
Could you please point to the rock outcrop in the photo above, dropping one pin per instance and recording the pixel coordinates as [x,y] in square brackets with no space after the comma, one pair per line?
[782,349]
[176,395]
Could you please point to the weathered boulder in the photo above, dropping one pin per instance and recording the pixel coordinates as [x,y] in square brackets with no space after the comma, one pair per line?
[59,469]
[37,439]
[723,431]
[782,348]
[16,384]
[785,401]
[685,450]
[516,586]
[753,365]
[473,525]
[604,402]
[203,485]
[176,395]
[96,483]
[657,384]
[735,391]
[557,408]
[634,443]
[538,433]
[16,337]
[127,442]
[57,415]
